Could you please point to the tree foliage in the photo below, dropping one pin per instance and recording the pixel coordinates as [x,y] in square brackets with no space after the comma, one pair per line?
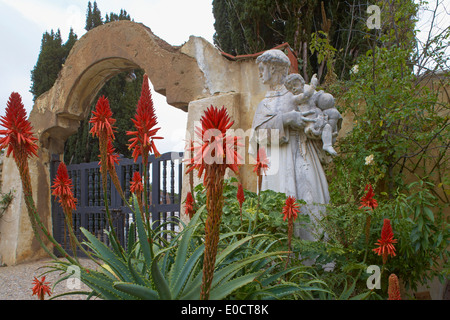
[51,58]
[397,97]
[250,26]
[122,91]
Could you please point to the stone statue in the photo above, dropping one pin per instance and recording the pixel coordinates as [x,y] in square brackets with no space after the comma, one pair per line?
[297,130]
[321,104]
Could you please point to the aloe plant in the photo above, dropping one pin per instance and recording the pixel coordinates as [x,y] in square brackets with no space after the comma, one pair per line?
[174,271]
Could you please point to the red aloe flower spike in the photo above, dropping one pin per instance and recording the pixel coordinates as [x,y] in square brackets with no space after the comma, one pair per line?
[394,288]
[261,166]
[41,288]
[386,243]
[137,188]
[368,201]
[102,121]
[144,121]
[112,158]
[240,197]
[213,155]
[18,134]
[62,188]
[189,205]
[262,163]
[215,147]
[290,211]
[102,126]
[136,183]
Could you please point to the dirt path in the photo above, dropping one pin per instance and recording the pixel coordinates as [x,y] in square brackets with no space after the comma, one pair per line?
[16,281]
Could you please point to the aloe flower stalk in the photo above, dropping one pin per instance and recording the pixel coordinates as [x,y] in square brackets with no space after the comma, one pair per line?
[41,288]
[213,156]
[102,127]
[19,140]
[261,166]
[112,158]
[189,205]
[386,242]
[369,203]
[394,288]
[240,197]
[62,189]
[290,212]
[137,188]
[142,141]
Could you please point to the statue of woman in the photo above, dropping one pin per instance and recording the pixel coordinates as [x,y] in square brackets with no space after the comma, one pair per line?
[295,159]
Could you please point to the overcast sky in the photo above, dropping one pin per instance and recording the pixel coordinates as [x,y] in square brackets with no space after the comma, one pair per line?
[23,23]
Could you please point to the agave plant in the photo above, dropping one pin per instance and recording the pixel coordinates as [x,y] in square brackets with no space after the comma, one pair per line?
[174,271]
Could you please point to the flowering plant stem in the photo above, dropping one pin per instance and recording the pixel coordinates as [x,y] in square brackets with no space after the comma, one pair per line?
[145,204]
[214,204]
[34,218]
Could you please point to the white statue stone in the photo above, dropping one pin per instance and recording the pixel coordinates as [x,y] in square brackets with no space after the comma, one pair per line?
[298,118]
[321,104]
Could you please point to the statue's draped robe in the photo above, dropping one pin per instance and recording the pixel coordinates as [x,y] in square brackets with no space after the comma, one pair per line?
[295,160]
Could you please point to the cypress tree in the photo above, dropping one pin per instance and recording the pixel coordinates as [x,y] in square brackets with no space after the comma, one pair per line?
[72,38]
[122,94]
[49,63]
[93,16]
[89,24]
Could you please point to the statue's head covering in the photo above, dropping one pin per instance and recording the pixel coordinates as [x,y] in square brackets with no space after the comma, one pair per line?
[274,56]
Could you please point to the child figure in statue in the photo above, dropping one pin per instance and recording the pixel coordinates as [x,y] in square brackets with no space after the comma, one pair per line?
[320,105]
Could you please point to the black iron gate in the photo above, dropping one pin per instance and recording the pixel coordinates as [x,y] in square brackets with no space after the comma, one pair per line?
[164,197]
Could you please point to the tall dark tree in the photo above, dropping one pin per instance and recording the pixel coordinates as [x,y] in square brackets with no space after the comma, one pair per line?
[122,91]
[93,16]
[123,15]
[72,38]
[51,58]
[250,26]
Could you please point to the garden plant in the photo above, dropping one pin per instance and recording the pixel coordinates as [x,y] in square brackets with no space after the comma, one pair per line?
[388,187]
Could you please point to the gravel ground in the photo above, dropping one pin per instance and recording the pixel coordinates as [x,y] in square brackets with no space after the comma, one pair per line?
[16,281]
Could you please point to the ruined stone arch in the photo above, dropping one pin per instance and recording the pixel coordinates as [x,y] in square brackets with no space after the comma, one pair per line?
[191,77]
[98,56]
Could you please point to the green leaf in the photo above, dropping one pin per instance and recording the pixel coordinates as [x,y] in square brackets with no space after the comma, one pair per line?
[108,256]
[131,238]
[182,251]
[138,277]
[137,291]
[103,285]
[222,291]
[160,282]
[429,213]
[186,272]
[231,269]
[142,234]
[362,296]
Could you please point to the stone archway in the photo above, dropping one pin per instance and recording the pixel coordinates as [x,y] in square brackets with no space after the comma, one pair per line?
[192,77]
